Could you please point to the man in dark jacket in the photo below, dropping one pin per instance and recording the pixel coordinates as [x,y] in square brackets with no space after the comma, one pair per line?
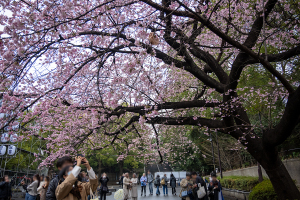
[199,180]
[60,164]
[5,189]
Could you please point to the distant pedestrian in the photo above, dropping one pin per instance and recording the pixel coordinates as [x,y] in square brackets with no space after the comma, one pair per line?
[5,189]
[126,186]
[103,188]
[134,183]
[122,179]
[42,189]
[157,184]
[173,184]
[150,179]
[32,188]
[143,181]
[215,188]
[164,182]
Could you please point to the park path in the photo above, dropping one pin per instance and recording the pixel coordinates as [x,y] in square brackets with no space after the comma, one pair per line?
[161,197]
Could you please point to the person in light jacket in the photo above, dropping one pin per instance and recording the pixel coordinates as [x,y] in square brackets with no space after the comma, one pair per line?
[69,188]
[150,179]
[127,186]
[134,193]
[32,188]
[42,189]
[173,184]
[143,181]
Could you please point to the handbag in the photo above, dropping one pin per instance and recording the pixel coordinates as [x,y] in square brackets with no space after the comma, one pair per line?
[129,187]
[93,197]
[184,194]
[201,192]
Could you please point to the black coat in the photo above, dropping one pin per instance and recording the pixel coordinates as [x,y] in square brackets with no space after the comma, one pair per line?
[104,181]
[5,190]
[215,194]
[202,183]
[173,182]
[157,182]
[50,195]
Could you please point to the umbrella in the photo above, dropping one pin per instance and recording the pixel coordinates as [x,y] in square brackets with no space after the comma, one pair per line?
[119,195]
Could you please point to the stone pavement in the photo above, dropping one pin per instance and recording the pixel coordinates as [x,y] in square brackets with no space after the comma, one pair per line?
[161,197]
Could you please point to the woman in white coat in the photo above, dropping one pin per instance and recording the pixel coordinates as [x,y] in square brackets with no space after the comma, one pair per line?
[127,186]
[134,192]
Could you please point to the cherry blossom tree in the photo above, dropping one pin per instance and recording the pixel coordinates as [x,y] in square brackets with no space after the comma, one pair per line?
[91,74]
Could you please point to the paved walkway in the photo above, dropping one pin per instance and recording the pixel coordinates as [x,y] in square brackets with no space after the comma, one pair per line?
[154,197]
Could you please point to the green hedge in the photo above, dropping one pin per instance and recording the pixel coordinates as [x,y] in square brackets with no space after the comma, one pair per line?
[245,183]
[263,191]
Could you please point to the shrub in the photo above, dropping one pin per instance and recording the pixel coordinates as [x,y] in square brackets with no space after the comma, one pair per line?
[245,183]
[263,191]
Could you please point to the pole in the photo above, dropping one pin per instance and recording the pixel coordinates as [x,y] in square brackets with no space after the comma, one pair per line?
[219,155]
[212,149]
[260,177]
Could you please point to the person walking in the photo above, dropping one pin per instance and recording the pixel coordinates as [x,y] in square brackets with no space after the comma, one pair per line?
[5,189]
[69,188]
[216,189]
[143,181]
[199,181]
[103,188]
[122,180]
[32,188]
[164,183]
[42,189]
[134,183]
[186,185]
[173,184]
[126,186]
[157,184]
[150,179]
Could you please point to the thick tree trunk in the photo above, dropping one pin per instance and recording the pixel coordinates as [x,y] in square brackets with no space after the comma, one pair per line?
[281,180]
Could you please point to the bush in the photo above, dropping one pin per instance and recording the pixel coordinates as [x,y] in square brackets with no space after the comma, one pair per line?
[245,183]
[263,191]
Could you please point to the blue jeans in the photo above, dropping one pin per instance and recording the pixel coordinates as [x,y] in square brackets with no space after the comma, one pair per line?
[165,189]
[29,197]
[157,191]
[151,188]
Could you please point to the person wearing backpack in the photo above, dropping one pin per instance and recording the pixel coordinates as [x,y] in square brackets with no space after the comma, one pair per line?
[199,182]
[164,183]
[157,184]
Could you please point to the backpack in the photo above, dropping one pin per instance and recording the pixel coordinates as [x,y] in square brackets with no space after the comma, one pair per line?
[163,182]
[155,182]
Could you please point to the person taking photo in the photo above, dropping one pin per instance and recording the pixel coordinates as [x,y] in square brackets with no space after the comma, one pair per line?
[69,188]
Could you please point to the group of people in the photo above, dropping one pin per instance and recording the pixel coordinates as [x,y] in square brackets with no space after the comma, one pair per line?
[37,187]
[190,188]
[69,184]
[130,185]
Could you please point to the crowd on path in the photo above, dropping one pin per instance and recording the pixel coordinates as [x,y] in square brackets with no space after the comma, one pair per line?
[69,184]
[73,184]
[193,187]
